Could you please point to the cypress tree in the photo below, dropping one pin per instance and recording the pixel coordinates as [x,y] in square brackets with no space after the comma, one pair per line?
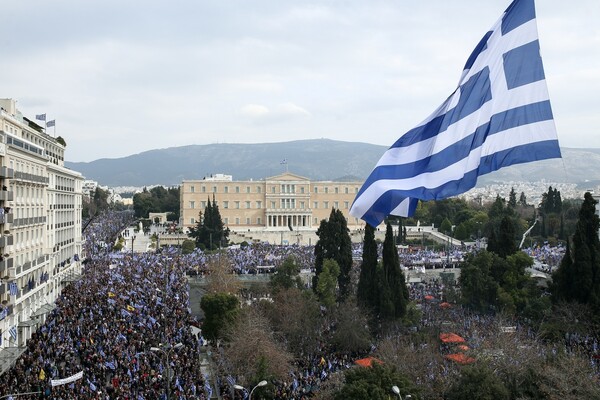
[334,243]
[394,275]
[367,282]
[578,277]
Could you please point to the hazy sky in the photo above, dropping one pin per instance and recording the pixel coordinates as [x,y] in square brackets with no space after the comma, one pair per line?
[122,77]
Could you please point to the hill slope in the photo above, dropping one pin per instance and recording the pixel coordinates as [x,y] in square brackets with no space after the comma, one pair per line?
[319,159]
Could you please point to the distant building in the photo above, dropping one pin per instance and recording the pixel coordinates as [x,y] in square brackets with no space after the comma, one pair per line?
[282,202]
[40,226]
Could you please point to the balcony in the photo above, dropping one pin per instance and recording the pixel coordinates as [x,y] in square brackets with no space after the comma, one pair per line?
[5,265]
[7,173]
[6,195]
[6,240]
[6,218]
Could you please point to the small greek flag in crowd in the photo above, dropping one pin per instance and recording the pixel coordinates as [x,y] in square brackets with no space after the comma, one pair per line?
[499,115]
[284,161]
[13,332]
[40,117]
[51,123]
[12,287]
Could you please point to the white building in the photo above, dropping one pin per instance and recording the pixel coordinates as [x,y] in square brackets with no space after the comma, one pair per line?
[40,226]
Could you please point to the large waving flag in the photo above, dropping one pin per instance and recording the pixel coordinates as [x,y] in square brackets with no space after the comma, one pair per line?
[499,115]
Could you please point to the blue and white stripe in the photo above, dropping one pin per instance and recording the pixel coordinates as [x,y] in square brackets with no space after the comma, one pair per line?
[499,115]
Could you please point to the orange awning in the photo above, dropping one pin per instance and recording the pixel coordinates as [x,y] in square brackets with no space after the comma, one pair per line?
[451,338]
[368,361]
[445,305]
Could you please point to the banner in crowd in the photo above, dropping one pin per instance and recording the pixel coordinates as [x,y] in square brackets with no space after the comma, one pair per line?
[64,381]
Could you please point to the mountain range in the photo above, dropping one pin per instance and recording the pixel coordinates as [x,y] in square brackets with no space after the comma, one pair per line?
[317,159]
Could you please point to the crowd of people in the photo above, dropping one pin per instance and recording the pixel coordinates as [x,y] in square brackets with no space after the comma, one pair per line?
[118,325]
[126,314]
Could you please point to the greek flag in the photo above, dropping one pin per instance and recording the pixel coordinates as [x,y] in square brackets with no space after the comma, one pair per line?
[14,290]
[499,115]
[13,332]
[51,123]
[40,117]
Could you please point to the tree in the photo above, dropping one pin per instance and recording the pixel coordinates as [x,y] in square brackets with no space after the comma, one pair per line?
[253,351]
[209,232]
[367,284]
[522,199]
[327,281]
[394,275]
[512,198]
[334,243]
[578,277]
[446,226]
[295,318]
[220,278]
[188,246]
[287,276]
[220,309]
[503,242]
[478,288]
[478,383]
[351,333]
[374,383]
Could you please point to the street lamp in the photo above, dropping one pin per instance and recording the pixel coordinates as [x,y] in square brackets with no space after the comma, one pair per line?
[396,390]
[166,351]
[259,384]
[132,239]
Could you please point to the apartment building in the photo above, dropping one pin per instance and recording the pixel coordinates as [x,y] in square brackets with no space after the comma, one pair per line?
[281,202]
[40,226]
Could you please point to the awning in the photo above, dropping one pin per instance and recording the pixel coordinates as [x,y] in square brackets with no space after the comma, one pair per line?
[8,356]
[451,338]
[27,324]
[367,362]
[44,309]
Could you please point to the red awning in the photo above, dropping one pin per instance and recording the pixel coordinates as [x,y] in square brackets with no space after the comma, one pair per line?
[460,358]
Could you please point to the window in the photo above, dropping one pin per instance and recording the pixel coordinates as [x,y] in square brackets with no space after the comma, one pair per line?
[237,221]
[247,221]
[326,189]
[259,204]
[336,189]
[192,221]
[203,189]
[302,189]
[326,204]
[272,204]
[258,189]
[214,189]
[192,204]
[272,189]
[247,189]
[302,205]
[248,205]
[316,189]
[316,205]
[356,189]
[346,190]
[203,203]
[346,205]
[226,189]
[237,204]
[237,189]
[192,189]
[225,204]
[258,221]
[226,221]
[336,205]
[316,221]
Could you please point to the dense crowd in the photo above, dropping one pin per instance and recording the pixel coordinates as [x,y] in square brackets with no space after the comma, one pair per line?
[107,324]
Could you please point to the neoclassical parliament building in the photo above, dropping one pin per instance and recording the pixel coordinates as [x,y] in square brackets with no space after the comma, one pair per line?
[281,202]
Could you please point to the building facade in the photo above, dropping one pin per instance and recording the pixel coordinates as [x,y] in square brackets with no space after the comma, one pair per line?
[282,202]
[40,225]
